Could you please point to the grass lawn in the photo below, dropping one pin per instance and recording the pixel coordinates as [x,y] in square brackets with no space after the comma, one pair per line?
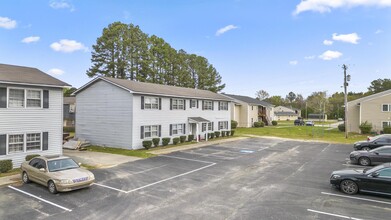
[10,173]
[303,133]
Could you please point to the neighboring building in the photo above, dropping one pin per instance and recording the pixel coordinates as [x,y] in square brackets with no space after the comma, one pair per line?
[247,110]
[123,113]
[376,109]
[31,105]
[282,113]
[69,112]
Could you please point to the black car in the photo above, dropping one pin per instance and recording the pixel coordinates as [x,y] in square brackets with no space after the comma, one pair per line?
[375,180]
[374,142]
[374,156]
[299,122]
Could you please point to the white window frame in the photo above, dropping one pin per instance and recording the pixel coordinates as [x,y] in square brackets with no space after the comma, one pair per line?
[24,143]
[176,130]
[193,101]
[386,104]
[223,106]
[24,98]
[208,105]
[8,143]
[40,97]
[176,105]
[388,122]
[40,142]
[154,106]
[223,125]
[151,131]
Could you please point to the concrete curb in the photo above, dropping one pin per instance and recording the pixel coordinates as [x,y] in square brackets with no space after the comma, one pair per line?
[8,180]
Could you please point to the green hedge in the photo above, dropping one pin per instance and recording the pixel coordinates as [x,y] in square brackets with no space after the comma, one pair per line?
[223,133]
[190,138]
[182,139]
[211,135]
[166,141]
[234,124]
[274,123]
[31,156]
[5,166]
[259,124]
[147,144]
[387,130]
[155,141]
[365,127]
[175,140]
[341,127]
[217,134]
[232,132]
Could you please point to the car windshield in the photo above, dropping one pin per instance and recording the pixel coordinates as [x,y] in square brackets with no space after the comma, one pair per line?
[372,139]
[62,164]
[373,169]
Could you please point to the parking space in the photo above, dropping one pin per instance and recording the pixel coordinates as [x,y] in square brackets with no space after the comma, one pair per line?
[248,179]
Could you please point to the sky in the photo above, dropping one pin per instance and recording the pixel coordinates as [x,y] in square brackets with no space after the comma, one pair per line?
[278,46]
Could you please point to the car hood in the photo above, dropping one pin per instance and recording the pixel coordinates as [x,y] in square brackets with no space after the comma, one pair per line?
[361,142]
[347,172]
[361,153]
[71,173]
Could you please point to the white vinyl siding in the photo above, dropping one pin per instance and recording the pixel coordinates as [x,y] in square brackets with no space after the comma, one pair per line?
[178,104]
[151,103]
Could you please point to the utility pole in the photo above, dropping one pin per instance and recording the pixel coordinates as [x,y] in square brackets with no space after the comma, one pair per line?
[345,85]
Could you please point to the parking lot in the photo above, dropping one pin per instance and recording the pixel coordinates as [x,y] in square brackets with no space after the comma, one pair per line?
[254,178]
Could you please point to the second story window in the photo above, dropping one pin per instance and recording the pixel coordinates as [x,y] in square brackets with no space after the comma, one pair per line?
[33,98]
[151,103]
[193,103]
[386,108]
[223,106]
[207,105]
[16,98]
[21,98]
[178,104]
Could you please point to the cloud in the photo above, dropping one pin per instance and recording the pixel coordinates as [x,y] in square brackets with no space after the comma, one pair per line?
[329,55]
[309,57]
[68,46]
[56,71]
[61,5]
[293,62]
[7,23]
[379,31]
[225,29]
[323,6]
[348,38]
[31,39]
[328,42]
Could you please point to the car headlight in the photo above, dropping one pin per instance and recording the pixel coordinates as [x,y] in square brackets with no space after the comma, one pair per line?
[357,144]
[91,176]
[354,154]
[335,176]
[66,181]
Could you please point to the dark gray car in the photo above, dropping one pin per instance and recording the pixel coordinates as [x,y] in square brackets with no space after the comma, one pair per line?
[375,156]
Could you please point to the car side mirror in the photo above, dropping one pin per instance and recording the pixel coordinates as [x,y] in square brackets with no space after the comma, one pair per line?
[377,153]
[42,169]
[375,174]
[79,164]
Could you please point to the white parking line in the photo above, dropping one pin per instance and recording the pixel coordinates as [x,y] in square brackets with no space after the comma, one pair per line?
[182,158]
[357,198]
[43,200]
[209,155]
[109,187]
[335,215]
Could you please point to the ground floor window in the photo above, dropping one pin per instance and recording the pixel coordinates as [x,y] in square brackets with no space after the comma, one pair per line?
[223,125]
[151,131]
[205,125]
[177,129]
[386,124]
[33,142]
[15,143]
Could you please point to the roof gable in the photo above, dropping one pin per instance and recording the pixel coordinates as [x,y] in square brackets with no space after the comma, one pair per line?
[371,97]
[29,76]
[249,100]
[157,89]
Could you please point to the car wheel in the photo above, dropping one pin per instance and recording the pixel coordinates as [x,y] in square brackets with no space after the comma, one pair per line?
[25,177]
[349,187]
[366,148]
[52,187]
[364,161]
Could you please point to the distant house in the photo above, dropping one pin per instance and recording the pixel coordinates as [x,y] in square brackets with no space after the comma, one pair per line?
[247,110]
[31,106]
[375,109]
[69,112]
[123,113]
[282,113]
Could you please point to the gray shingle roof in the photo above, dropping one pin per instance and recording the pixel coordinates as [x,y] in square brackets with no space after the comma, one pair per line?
[249,100]
[27,75]
[158,89]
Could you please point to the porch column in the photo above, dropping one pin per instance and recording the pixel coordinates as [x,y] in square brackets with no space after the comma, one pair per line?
[197,138]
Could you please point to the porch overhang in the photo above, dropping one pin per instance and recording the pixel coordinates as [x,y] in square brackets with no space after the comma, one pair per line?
[197,120]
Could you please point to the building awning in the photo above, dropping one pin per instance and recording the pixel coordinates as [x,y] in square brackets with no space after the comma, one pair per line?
[197,120]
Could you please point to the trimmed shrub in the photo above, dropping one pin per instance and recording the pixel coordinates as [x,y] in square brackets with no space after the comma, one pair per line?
[223,133]
[365,127]
[211,135]
[68,129]
[166,141]
[190,138]
[5,166]
[227,133]
[232,132]
[217,134]
[147,144]
[341,127]
[259,124]
[274,123]
[175,140]
[155,141]
[182,139]
[387,130]
[31,156]
[234,124]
